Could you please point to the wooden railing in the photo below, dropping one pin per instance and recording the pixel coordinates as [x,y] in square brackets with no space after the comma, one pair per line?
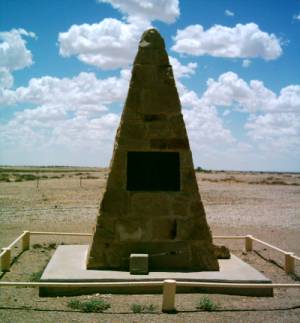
[5,255]
[168,286]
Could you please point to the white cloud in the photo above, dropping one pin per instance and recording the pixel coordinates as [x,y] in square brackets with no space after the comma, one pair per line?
[6,78]
[70,122]
[279,131]
[272,129]
[163,10]
[13,54]
[108,44]
[246,63]
[112,43]
[297,17]
[274,121]
[70,114]
[181,70]
[205,128]
[244,41]
[83,92]
[229,13]
[230,90]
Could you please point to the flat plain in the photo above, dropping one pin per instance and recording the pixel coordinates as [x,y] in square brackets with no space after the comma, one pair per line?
[67,199]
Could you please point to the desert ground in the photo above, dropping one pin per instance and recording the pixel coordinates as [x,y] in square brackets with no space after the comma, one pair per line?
[266,205]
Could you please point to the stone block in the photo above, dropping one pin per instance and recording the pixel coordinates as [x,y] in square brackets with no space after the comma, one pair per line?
[115,202]
[180,205]
[133,130]
[169,143]
[133,103]
[133,229]
[149,205]
[154,117]
[144,75]
[138,264]
[193,228]
[164,229]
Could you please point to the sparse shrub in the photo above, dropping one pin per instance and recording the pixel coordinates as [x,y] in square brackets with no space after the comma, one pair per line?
[90,306]
[51,245]
[206,304]
[142,308]
[136,308]
[90,177]
[4,178]
[202,170]
[29,177]
[74,304]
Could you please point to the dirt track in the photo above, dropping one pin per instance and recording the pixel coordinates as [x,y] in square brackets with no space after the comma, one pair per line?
[264,205]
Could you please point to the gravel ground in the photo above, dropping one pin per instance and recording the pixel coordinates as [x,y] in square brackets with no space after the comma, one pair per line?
[264,205]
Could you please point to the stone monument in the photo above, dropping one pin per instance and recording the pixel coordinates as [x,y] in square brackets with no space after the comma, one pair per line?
[151,204]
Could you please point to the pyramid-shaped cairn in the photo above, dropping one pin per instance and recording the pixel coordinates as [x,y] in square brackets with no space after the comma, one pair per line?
[151,204]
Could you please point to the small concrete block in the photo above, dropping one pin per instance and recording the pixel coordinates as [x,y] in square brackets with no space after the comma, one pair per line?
[138,264]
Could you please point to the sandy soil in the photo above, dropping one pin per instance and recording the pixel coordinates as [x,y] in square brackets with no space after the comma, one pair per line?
[264,205]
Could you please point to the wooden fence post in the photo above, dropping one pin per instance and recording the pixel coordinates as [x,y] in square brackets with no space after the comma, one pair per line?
[5,259]
[289,263]
[248,243]
[26,241]
[169,291]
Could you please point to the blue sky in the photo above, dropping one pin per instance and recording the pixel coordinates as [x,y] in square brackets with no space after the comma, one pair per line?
[65,68]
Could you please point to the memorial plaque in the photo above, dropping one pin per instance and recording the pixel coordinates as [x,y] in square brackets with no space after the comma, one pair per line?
[153,171]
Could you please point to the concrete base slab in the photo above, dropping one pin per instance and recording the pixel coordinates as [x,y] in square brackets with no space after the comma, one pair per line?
[68,264]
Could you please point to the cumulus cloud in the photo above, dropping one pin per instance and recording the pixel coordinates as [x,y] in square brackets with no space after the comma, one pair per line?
[180,70]
[274,120]
[82,92]
[279,131]
[67,115]
[163,10]
[108,44]
[244,41]
[229,13]
[252,97]
[6,78]
[112,43]
[70,113]
[13,54]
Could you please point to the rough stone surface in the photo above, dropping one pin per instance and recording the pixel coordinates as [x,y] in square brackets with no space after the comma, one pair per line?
[170,226]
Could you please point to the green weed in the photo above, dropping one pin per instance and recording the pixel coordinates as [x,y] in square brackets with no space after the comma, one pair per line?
[90,306]
[142,308]
[206,304]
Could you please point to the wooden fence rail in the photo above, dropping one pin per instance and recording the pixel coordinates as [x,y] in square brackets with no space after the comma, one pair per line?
[168,287]
[5,255]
